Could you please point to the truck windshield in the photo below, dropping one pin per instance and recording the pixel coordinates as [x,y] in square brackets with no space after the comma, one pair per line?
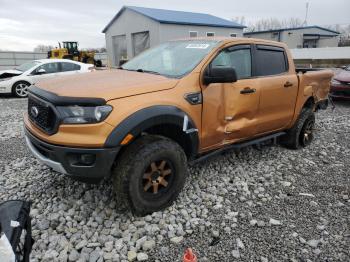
[173,59]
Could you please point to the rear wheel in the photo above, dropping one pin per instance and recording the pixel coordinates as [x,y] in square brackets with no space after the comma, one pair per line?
[98,63]
[301,134]
[20,89]
[150,174]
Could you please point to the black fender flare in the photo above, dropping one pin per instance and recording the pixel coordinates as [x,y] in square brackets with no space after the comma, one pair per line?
[149,117]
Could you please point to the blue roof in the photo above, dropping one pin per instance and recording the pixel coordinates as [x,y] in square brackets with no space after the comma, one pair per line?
[292,28]
[178,17]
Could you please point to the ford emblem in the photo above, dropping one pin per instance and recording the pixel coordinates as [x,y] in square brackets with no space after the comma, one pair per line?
[34,111]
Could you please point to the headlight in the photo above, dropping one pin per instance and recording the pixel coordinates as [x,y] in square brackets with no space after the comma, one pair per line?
[83,114]
[335,82]
[5,79]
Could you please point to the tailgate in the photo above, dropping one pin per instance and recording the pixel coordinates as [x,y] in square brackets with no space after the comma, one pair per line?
[318,82]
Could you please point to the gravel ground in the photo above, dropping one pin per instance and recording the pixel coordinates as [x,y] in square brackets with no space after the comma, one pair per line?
[271,204]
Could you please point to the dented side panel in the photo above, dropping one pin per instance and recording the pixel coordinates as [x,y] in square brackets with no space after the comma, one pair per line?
[313,84]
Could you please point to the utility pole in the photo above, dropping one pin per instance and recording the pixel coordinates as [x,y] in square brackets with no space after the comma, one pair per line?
[306,14]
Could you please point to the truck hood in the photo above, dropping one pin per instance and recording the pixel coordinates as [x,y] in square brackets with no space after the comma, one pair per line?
[107,84]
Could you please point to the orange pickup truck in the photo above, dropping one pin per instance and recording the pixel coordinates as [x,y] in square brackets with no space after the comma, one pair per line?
[182,101]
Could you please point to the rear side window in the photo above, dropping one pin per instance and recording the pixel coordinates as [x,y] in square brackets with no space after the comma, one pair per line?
[270,60]
[65,67]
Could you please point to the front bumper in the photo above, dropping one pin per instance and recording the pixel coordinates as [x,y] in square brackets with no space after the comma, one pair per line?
[84,164]
[4,89]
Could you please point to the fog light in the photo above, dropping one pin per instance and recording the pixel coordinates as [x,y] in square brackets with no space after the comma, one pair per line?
[87,159]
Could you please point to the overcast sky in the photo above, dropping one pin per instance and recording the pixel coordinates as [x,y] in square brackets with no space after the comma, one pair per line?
[25,24]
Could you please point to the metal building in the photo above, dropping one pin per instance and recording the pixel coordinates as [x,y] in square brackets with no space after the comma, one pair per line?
[300,37]
[134,29]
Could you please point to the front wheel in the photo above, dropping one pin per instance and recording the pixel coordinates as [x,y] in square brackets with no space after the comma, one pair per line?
[20,89]
[150,174]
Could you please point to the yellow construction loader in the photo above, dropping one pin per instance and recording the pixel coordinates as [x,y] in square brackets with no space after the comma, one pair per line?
[70,51]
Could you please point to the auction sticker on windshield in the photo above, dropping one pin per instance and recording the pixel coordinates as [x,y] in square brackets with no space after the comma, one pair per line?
[198,46]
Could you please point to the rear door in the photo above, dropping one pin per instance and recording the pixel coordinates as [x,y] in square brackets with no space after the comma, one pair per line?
[278,87]
[230,109]
[68,68]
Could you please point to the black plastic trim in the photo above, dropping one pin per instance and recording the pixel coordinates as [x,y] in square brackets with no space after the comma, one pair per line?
[43,102]
[323,104]
[104,159]
[194,98]
[64,100]
[270,47]
[149,117]
[240,145]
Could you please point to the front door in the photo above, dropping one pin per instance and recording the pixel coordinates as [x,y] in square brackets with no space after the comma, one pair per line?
[49,70]
[230,109]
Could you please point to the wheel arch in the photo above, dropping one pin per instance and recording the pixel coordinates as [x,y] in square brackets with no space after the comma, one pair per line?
[167,121]
[19,81]
[309,103]
[13,91]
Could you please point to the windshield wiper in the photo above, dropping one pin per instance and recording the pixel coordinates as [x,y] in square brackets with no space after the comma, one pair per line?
[140,70]
[147,71]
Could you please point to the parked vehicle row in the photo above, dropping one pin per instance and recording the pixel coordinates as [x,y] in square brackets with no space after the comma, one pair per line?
[17,80]
[340,85]
[182,101]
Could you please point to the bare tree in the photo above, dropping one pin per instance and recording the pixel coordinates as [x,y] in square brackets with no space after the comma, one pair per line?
[96,50]
[43,48]
[344,30]
[239,20]
[103,50]
[273,24]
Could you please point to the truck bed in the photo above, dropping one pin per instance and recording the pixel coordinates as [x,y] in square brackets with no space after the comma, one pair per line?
[316,81]
[305,70]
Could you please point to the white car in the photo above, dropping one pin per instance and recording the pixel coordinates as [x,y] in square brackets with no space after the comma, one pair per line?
[17,81]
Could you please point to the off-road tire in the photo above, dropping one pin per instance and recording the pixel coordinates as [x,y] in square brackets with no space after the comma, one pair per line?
[18,86]
[131,167]
[294,137]
[98,63]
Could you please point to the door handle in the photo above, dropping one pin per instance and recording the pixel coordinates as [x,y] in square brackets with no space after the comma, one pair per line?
[288,84]
[248,91]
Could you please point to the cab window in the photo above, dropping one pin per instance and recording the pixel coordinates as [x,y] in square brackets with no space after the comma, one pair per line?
[270,60]
[238,57]
[49,68]
[66,67]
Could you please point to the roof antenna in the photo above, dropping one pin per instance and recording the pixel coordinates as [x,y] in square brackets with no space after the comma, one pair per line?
[306,14]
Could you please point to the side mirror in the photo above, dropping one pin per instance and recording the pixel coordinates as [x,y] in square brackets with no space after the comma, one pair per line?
[41,71]
[220,75]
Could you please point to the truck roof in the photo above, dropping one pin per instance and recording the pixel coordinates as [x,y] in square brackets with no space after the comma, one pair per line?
[225,40]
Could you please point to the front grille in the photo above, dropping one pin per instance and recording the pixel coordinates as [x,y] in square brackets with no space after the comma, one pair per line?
[42,114]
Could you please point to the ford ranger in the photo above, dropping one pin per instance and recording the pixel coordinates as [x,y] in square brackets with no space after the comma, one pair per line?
[179,102]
